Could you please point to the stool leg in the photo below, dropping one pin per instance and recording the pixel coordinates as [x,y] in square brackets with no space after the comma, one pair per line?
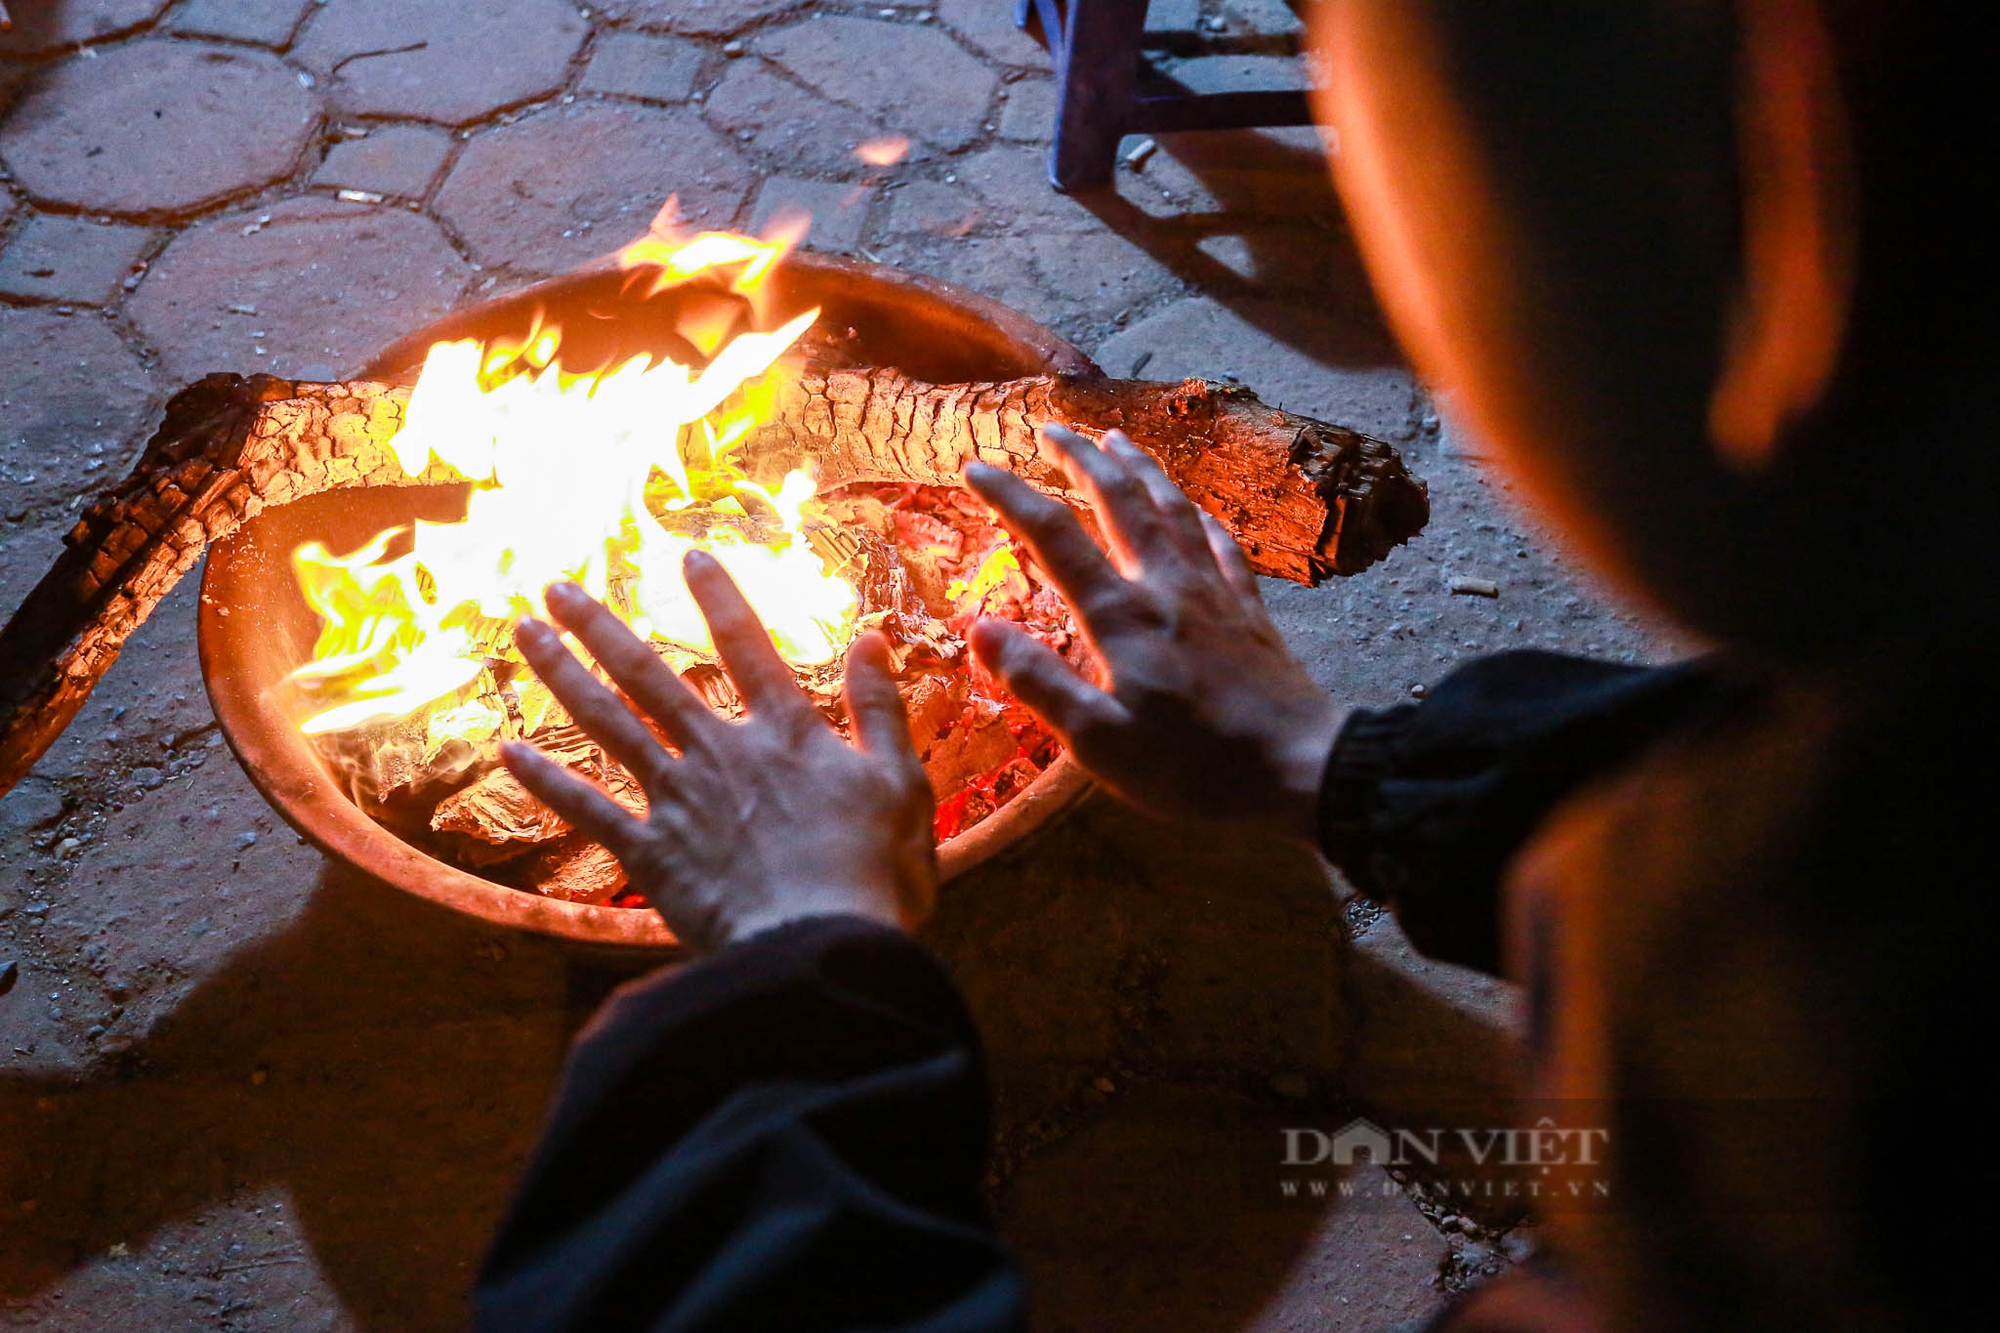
[1096,84]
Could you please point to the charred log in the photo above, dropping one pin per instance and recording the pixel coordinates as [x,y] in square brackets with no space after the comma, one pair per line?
[1306,499]
[575,870]
[229,446]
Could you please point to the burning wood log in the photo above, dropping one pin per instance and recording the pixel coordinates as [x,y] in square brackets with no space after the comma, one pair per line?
[499,811]
[1305,498]
[228,447]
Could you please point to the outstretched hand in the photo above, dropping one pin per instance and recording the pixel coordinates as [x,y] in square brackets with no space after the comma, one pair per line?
[753,823]
[1207,715]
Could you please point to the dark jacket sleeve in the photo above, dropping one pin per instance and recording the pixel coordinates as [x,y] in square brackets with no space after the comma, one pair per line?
[788,1135]
[1425,804]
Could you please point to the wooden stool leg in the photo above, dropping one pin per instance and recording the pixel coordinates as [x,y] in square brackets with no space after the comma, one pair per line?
[1096,83]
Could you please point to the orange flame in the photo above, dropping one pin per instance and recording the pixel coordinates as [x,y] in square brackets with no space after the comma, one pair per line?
[571,473]
[884,152]
[999,566]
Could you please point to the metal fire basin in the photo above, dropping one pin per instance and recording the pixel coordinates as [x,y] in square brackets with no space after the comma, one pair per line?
[254,627]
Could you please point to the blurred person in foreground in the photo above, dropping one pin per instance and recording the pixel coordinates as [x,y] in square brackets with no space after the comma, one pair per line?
[1715,282]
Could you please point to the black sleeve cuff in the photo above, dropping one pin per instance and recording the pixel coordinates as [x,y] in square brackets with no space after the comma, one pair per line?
[1424,805]
[1363,758]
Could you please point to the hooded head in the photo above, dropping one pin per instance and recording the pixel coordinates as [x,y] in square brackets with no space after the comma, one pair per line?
[1712,278]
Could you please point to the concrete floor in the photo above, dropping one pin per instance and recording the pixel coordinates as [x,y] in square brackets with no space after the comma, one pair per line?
[241,1088]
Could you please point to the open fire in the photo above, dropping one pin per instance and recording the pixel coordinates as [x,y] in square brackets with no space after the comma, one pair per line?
[881,403]
[609,476]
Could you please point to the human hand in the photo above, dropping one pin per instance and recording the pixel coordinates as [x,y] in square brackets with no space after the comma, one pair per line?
[757,822]
[1208,716]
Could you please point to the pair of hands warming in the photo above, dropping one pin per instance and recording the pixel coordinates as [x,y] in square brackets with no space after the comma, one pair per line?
[1207,717]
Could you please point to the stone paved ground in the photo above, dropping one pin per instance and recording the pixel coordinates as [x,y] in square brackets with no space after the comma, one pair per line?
[240,1089]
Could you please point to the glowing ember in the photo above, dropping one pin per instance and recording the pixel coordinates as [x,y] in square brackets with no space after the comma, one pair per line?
[884,152]
[999,569]
[573,473]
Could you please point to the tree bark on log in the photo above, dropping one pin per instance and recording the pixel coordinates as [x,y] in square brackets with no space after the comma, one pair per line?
[1305,498]
[229,447]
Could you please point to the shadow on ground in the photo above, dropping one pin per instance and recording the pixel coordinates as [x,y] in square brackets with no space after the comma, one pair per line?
[348,1062]
[1139,988]
[1251,219]
[343,1060]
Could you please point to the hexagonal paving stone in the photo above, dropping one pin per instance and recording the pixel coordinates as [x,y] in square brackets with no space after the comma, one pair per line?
[1326,367]
[710,17]
[1016,182]
[440,60]
[94,133]
[940,210]
[836,212]
[917,77]
[990,27]
[1029,114]
[782,122]
[266,22]
[1001,267]
[76,397]
[55,258]
[321,287]
[572,183]
[41,26]
[1101,271]
[399,160]
[635,64]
